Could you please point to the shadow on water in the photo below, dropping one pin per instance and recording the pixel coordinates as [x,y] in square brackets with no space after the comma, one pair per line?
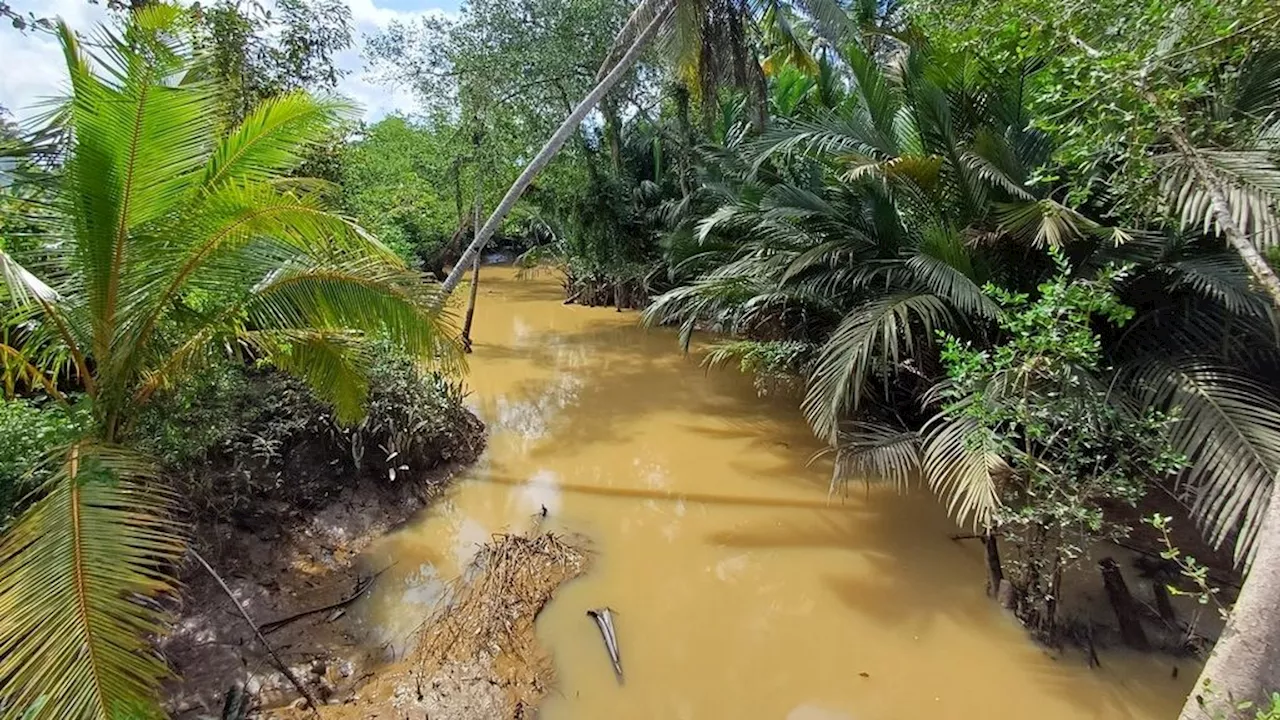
[626,494]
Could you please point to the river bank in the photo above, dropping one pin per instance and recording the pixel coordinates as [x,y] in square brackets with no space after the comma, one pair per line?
[282,508]
[742,587]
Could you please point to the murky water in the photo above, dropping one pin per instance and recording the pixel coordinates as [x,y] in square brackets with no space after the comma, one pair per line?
[740,590]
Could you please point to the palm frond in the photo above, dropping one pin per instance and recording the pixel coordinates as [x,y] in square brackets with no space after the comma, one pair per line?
[273,138]
[79,573]
[1229,428]
[333,364]
[363,296]
[1043,223]
[877,334]
[943,264]
[1250,180]
[22,285]
[961,465]
[876,452]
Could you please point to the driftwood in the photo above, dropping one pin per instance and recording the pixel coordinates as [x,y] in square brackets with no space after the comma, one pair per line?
[995,571]
[280,665]
[361,588]
[1218,578]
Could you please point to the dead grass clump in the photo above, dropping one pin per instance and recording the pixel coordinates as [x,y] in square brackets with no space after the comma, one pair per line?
[490,618]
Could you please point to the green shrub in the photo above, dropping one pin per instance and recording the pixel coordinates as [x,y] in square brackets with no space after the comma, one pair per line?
[239,434]
[415,420]
[28,429]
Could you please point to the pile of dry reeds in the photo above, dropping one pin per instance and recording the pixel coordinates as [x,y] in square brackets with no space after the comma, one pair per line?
[489,619]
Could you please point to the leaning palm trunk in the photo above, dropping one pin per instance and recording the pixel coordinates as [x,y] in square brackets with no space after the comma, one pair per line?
[1226,222]
[557,141]
[1245,664]
[475,280]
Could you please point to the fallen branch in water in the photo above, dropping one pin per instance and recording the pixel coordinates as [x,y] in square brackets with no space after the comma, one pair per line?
[361,589]
[262,639]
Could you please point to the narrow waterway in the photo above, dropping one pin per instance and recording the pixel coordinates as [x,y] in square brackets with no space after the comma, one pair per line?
[740,589]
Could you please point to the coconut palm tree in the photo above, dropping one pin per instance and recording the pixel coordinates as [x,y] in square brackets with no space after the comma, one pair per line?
[166,244]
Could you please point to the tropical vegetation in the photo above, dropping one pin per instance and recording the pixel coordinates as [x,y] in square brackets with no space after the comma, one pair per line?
[1022,254]
[168,241]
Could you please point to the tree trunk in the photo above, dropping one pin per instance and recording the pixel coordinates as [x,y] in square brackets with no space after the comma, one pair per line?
[475,278]
[1253,259]
[1122,603]
[613,131]
[686,138]
[995,572]
[552,147]
[1245,663]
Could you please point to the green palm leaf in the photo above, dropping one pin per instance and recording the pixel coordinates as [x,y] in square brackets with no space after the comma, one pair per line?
[77,575]
[1229,428]
[877,334]
[1250,179]
[272,140]
[870,452]
[962,466]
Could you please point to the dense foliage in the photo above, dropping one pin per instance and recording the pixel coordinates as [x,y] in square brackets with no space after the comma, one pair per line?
[235,438]
[1061,455]
[27,431]
[1016,251]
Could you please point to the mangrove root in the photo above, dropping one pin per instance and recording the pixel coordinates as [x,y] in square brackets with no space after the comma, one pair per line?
[1122,603]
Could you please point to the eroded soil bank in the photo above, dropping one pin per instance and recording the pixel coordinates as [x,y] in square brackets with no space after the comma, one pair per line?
[286,530]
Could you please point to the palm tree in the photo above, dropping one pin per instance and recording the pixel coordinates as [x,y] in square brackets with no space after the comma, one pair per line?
[166,245]
[865,222]
[1227,178]
[858,221]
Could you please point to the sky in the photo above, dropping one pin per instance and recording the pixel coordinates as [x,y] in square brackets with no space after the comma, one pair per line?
[32,69]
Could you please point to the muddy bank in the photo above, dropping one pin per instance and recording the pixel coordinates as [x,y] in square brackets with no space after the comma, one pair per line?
[306,561]
[285,530]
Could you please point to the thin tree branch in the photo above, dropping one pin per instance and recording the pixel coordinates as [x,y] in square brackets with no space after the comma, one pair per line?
[280,665]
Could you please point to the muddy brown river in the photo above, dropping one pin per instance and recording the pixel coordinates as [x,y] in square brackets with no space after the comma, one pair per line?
[740,589]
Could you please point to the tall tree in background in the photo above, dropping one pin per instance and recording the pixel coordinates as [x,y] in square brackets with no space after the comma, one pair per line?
[689,24]
[508,71]
[254,53]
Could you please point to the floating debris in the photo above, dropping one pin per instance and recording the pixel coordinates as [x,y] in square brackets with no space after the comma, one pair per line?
[604,621]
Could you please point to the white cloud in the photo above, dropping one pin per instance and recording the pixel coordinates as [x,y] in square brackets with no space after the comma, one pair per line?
[376,99]
[32,68]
